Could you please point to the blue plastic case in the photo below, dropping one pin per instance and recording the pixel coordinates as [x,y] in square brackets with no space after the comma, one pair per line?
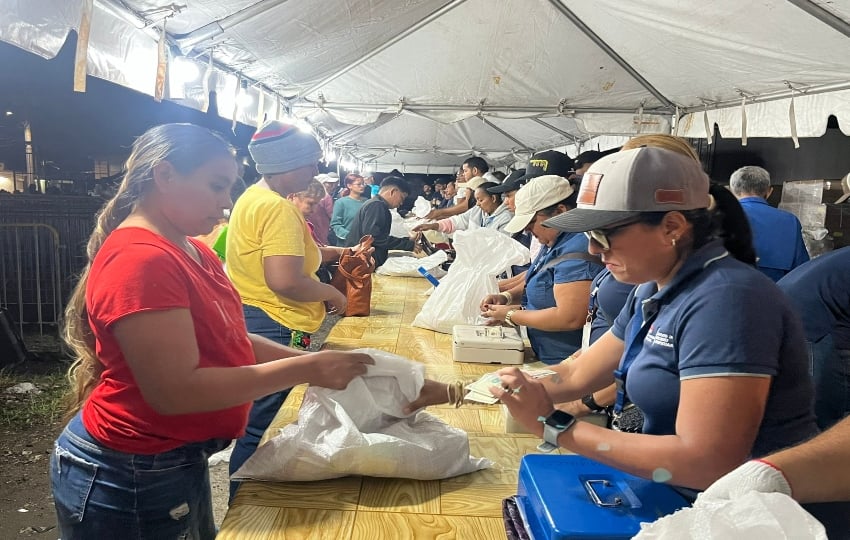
[572,497]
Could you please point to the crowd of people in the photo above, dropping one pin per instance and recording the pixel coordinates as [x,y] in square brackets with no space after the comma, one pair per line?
[652,293]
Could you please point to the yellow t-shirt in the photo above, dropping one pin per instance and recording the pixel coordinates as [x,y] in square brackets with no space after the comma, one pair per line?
[264,224]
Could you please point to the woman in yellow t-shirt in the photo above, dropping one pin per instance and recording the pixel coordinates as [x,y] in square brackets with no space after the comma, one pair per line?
[272,259]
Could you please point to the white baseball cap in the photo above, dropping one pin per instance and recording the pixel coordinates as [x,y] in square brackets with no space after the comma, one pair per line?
[538,194]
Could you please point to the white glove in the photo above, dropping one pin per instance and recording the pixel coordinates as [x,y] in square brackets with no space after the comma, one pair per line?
[751,476]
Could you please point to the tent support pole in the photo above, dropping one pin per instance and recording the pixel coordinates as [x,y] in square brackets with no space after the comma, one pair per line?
[209,31]
[566,12]
[508,135]
[473,109]
[556,130]
[398,37]
[359,131]
[823,16]
[771,96]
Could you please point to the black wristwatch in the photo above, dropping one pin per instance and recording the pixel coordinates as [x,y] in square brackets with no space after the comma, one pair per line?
[591,404]
[553,425]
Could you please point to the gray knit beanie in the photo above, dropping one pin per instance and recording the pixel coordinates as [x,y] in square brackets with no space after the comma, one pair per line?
[277,148]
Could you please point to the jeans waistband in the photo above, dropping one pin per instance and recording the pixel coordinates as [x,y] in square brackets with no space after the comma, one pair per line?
[77,434]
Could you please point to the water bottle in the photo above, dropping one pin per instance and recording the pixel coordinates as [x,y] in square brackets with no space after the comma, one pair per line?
[427,275]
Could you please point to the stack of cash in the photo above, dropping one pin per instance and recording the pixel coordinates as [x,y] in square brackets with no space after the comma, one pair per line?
[479,391]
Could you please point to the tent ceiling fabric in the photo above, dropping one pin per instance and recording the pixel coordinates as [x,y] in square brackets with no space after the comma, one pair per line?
[418,82]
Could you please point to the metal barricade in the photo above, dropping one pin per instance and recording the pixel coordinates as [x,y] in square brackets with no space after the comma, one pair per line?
[30,275]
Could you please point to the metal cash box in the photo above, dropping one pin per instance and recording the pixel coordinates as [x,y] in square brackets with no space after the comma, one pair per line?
[487,344]
[576,498]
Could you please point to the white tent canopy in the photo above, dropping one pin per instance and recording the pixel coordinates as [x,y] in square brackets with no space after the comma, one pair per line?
[421,84]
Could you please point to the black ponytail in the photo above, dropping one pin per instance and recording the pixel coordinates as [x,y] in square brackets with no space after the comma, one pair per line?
[727,221]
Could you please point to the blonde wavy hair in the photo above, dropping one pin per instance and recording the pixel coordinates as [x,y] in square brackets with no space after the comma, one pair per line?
[662,140]
[187,147]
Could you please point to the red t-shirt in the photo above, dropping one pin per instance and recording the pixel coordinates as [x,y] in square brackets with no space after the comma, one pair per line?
[137,270]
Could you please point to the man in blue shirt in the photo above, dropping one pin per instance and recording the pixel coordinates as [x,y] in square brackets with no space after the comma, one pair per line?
[777,234]
[820,291]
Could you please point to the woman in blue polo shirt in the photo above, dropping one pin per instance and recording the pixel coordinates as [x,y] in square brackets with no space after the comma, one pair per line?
[711,350]
[552,303]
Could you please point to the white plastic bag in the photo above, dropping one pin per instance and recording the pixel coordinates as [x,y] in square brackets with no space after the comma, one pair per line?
[409,266]
[421,207]
[362,430]
[482,254]
[398,225]
[753,516]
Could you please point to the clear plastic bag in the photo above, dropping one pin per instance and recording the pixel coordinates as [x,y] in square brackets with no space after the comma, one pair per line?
[362,430]
[482,254]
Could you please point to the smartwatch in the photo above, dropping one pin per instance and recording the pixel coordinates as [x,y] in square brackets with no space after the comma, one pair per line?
[553,425]
[591,404]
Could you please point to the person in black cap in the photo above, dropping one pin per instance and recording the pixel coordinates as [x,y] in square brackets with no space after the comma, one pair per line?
[540,164]
[374,219]
[583,162]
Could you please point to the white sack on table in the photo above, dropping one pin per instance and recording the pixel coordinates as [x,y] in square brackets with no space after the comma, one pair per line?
[405,266]
[362,431]
[482,254]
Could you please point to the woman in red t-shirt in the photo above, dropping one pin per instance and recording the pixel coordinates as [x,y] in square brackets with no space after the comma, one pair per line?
[165,370]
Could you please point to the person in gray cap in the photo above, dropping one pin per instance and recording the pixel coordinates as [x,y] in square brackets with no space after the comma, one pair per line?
[703,322]
[272,260]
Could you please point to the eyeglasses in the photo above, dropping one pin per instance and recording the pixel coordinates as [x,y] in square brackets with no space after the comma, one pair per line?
[602,237]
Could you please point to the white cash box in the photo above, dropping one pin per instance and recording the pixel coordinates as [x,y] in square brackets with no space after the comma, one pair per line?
[487,344]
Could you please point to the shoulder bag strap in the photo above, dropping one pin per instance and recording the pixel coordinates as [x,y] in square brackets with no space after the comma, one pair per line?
[576,255]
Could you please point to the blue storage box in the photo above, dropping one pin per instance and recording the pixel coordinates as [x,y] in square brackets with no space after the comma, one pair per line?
[572,497]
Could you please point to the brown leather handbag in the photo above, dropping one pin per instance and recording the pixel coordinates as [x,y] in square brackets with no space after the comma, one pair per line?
[353,278]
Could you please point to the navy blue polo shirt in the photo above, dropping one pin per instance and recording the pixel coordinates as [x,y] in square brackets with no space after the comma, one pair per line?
[553,347]
[720,317]
[820,291]
[611,296]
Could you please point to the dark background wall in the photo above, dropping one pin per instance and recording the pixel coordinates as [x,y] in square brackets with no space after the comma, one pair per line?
[818,158]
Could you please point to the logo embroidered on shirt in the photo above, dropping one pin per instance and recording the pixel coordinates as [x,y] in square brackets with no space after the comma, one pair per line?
[654,337]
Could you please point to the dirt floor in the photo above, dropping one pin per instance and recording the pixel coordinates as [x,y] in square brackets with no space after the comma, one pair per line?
[26,507]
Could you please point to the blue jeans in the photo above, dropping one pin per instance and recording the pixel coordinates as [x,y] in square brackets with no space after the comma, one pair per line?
[102,493]
[265,408]
[830,371]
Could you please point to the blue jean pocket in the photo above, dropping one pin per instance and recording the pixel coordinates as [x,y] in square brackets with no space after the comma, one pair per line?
[172,496]
[72,479]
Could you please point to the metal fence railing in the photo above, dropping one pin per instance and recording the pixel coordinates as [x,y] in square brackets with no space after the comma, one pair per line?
[30,275]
